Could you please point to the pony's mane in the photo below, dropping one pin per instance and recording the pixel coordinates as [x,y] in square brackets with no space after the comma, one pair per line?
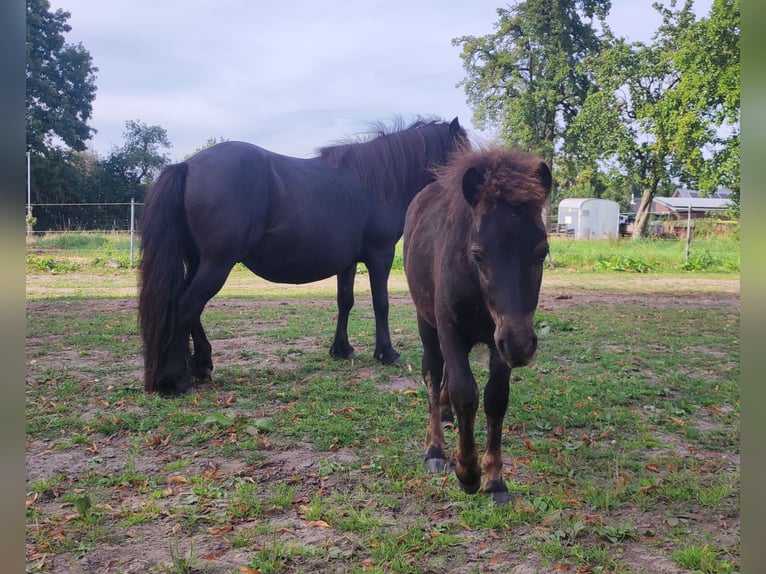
[508,174]
[387,159]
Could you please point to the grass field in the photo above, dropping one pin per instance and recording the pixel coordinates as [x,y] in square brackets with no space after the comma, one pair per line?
[621,444]
[71,252]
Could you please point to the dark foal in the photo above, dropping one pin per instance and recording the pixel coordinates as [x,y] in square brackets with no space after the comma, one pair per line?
[474,247]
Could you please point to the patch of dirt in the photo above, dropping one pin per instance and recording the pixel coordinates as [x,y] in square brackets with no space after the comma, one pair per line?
[148,547]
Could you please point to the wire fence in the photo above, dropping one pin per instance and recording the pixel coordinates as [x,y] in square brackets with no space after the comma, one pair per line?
[83,229]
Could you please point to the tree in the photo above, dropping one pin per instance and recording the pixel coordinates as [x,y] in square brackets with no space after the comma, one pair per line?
[63,176]
[129,170]
[648,114]
[708,89]
[60,82]
[527,78]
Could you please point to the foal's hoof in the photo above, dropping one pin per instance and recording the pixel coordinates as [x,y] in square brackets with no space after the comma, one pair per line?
[469,488]
[436,465]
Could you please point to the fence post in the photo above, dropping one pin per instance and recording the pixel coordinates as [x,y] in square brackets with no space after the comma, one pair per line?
[132,226]
[688,230]
[29,195]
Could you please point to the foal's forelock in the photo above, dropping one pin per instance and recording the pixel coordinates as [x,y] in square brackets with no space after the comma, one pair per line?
[508,175]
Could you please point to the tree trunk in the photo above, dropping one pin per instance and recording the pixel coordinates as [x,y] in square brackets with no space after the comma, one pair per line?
[642,215]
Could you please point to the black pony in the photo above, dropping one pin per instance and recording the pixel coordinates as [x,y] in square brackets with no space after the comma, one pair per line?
[289,220]
[474,246]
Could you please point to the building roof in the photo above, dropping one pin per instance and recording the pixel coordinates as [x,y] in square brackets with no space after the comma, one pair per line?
[696,203]
[720,193]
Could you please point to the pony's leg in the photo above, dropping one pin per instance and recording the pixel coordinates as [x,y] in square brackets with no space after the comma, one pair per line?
[341,348]
[495,406]
[464,396]
[379,268]
[173,376]
[202,359]
[432,369]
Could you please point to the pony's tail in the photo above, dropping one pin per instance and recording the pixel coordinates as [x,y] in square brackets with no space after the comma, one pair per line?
[167,250]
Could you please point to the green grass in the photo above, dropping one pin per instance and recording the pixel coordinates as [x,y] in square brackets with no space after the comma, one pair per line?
[712,255]
[620,434]
[72,252]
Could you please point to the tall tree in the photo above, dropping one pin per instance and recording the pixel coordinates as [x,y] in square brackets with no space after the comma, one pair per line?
[527,79]
[60,82]
[707,141]
[648,114]
[130,169]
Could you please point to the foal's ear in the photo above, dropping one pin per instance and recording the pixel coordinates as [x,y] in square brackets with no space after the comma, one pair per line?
[544,173]
[472,179]
[454,126]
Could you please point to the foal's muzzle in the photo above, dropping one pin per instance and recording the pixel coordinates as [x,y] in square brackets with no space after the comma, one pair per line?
[517,345]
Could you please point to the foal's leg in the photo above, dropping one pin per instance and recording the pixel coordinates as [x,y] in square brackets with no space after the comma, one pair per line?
[379,268]
[464,396]
[432,369]
[445,405]
[495,406]
[173,376]
[341,348]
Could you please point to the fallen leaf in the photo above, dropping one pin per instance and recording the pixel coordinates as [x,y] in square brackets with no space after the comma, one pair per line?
[220,529]
[500,558]
[318,524]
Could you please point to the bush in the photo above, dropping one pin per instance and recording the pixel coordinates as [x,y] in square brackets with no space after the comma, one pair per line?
[623,263]
[48,263]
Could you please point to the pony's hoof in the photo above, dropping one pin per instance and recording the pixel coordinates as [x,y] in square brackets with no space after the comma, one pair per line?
[174,388]
[501,498]
[346,353]
[389,357]
[436,465]
[204,375]
[469,488]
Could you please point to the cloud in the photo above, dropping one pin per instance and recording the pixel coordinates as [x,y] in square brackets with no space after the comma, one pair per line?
[289,76]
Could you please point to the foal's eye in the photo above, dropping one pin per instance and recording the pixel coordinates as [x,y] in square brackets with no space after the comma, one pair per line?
[477,258]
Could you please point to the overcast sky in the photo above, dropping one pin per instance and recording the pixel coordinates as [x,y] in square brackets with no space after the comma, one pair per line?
[288,75]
